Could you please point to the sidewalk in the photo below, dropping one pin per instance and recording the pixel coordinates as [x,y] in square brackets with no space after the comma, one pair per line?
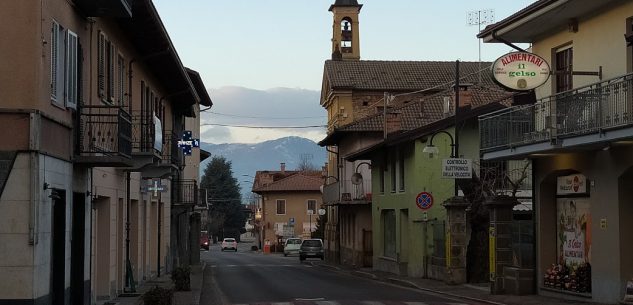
[476,293]
[191,297]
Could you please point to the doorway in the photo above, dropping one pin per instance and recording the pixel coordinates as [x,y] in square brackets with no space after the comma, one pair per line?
[58,249]
[77,249]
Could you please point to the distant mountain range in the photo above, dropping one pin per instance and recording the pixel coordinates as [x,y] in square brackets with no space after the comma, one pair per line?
[246,159]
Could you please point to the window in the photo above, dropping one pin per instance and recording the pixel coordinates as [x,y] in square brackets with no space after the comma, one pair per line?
[564,68]
[106,62]
[281,207]
[392,170]
[312,205]
[64,66]
[389,231]
[401,170]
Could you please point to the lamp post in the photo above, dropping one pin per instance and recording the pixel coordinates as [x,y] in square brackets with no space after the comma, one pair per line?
[432,149]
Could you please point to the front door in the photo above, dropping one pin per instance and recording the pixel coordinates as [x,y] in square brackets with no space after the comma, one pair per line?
[368,248]
[58,251]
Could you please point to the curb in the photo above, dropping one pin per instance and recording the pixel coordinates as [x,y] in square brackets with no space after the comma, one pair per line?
[195,300]
[326,266]
[410,284]
[367,275]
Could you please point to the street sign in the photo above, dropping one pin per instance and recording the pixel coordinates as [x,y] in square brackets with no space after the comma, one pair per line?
[310,212]
[321,212]
[291,221]
[424,201]
[288,231]
[457,168]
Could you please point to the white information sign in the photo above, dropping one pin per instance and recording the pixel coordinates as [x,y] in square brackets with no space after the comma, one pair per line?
[457,168]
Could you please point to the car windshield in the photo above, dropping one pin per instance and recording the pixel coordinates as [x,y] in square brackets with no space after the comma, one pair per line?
[311,243]
[293,242]
[229,240]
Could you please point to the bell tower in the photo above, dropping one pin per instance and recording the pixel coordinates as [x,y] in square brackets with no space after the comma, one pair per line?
[345,38]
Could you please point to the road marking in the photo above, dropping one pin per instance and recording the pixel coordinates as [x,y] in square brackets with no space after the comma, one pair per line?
[372,303]
[327,303]
[313,299]
[281,303]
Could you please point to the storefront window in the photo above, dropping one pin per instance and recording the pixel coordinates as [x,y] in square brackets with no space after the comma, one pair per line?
[572,271]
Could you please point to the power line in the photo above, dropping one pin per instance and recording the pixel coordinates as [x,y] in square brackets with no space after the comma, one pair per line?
[264,127]
[263,117]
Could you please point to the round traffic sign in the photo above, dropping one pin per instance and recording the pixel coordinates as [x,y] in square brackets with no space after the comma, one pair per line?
[424,201]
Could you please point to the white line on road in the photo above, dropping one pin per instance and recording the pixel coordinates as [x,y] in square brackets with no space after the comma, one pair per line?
[327,303]
[313,299]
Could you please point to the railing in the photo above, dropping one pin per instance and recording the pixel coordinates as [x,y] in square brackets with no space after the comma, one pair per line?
[589,109]
[171,152]
[104,130]
[345,190]
[184,192]
[144,132]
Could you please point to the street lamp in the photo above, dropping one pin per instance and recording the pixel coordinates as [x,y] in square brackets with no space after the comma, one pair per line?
[432,149]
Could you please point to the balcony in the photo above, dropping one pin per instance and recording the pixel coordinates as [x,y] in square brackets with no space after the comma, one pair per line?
[104,137]
[184,192]
[345,192]
[171,153]
[106,8]
[587,116]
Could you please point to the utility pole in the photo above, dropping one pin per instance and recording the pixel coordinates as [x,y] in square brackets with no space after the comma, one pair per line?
[457,91]
[478,18]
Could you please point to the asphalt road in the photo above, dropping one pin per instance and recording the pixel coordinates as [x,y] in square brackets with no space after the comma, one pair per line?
[245,277]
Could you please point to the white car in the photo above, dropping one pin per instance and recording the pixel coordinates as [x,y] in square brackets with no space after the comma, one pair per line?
[229,243]
[292,246]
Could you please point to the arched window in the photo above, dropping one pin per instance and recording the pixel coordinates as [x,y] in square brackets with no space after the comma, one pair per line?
[346,35]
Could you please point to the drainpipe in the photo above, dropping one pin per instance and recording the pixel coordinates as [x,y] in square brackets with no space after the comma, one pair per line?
[159,236]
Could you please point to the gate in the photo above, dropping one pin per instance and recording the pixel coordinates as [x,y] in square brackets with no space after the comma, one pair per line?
[368,248]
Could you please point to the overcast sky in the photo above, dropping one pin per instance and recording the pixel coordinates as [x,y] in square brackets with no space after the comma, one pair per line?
[267,44]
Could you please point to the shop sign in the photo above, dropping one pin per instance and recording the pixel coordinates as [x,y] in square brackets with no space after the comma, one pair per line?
[520,71]
[571,185]
[574,231]
[457,168]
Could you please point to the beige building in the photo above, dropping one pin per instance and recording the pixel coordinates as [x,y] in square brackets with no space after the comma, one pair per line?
[93,99]
[289,202]
[578,134]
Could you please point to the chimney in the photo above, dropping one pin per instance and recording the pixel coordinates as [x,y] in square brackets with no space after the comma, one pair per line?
[393,122]
[283,167]
[465,95]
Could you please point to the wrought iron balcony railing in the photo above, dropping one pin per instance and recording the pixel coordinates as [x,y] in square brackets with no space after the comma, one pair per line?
[145,130]
[104,131]
[345,190]
[184,192]
[585,110]
[171,154]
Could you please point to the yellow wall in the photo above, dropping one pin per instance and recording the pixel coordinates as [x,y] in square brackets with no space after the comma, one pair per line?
[296,206]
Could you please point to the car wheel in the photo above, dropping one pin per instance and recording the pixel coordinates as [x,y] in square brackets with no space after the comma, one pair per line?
[285,254]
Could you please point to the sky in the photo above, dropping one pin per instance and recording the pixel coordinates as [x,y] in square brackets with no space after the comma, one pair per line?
[255,47]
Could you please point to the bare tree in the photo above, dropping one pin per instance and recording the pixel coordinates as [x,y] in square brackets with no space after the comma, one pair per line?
[305,163]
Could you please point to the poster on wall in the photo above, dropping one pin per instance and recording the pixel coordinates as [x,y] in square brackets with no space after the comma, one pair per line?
[573,231]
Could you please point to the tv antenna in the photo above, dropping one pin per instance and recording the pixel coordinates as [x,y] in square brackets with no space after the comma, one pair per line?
[478,18]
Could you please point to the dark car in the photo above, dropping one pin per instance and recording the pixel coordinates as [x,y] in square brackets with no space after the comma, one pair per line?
[204,240]
[311,248]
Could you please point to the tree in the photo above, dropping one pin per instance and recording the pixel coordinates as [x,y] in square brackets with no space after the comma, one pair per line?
[225,214]
[494,179]
[319,231]
[305,163]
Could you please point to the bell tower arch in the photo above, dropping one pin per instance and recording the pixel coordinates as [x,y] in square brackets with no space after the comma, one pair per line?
[345,33]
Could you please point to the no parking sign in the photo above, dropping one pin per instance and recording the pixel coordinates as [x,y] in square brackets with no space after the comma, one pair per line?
[424,201]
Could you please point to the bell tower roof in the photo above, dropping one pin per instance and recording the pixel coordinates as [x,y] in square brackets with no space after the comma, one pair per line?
[353,3]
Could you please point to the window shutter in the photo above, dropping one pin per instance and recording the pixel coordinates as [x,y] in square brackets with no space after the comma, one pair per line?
[121,83]
[54,59]
[101,64]
[71,70]
[111,63]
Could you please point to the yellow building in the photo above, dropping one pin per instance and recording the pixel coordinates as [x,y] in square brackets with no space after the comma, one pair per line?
[93,100]
[578,134]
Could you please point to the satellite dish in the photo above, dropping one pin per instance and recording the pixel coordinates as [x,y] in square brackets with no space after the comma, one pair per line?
[357,179]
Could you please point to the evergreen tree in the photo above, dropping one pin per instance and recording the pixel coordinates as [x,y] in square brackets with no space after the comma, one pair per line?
[226,214]
[319,231]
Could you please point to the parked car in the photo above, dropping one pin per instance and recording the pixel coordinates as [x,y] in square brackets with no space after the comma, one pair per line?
[311,248]
[204,240]
[229,243]
[292,246]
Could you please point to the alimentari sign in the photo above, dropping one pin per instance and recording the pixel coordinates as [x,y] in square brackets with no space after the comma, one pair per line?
[520,71]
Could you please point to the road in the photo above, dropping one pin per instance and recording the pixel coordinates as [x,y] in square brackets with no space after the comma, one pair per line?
[244,277]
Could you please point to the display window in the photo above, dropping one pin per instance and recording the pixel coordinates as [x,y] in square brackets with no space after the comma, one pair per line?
[572,270]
